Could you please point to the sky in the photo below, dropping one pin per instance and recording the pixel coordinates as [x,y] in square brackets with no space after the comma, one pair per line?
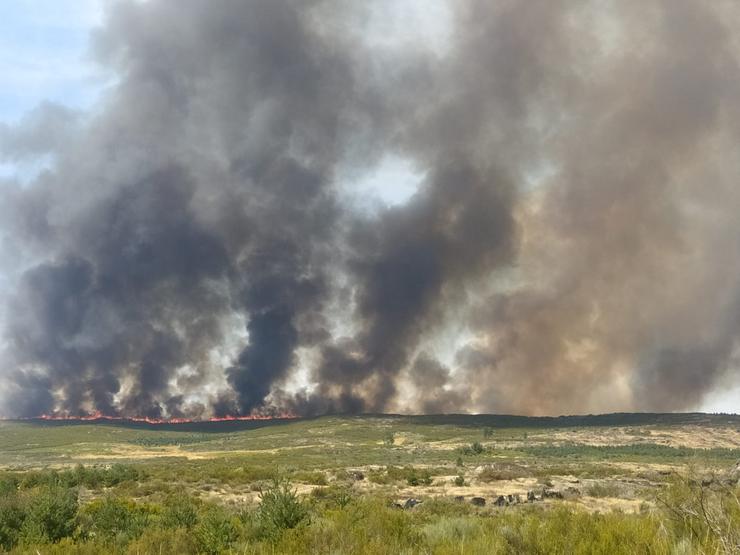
[44,58]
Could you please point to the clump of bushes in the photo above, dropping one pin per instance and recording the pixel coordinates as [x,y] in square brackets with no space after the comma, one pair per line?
[92,477]
[475,448]
[338,496]
[408,474]
[422,478]
[43,516]
[215,531]
[179,511]
[114,521]
[603,489]
[279,509]
[502,471]
[315,477]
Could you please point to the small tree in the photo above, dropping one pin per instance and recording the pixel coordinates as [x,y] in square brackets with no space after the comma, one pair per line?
[215,531]
[12,515]
[280,509]
[389,439]
[179,512]
[51,516]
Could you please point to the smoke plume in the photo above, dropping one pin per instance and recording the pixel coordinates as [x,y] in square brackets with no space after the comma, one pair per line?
[196,246]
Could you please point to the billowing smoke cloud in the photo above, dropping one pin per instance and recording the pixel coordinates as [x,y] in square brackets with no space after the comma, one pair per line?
[192,250]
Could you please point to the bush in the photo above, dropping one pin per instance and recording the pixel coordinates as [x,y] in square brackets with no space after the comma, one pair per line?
[474,448]
[316,477]
[12,515]
[703,514]
[163,542]
[8,485]
[601,489]
[180,511]
[501,471]
[114,521]
[459,480]
[50,516]
[280,509]
[422,478]
[215,530]
[335,496]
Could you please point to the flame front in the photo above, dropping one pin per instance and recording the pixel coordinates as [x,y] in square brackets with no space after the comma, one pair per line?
[97,415]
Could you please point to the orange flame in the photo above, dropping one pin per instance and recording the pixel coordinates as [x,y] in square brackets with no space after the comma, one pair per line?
[97,415]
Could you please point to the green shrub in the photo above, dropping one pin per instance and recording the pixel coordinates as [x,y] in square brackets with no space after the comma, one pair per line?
[389,438]
[114,521]
[334,496]
[459,480]
[280,509]
[422,478]
[50,516]
[502,471]
[316,477]
[8,485]
[601,489]
[215,531]
[163,542]
[706,515]
[12,515]
[179,511]
[475,448]
[451,530]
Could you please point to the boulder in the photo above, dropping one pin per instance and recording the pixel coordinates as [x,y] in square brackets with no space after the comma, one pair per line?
[478,501]
[551,494]
[411,503]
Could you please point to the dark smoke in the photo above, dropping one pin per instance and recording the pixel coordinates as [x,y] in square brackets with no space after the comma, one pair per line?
[192,250]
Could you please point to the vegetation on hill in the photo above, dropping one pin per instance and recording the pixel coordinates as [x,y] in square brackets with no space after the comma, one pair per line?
[370,485]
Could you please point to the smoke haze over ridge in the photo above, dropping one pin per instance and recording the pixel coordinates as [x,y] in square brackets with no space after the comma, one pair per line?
[197,247]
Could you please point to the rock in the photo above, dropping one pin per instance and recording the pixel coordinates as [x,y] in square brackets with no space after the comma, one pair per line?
[460,498]
[531,497]
[478,501]
[501,501]
[551,494]
[411,503]
[357,475]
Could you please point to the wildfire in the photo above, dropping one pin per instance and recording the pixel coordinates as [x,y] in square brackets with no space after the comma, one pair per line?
[97,415]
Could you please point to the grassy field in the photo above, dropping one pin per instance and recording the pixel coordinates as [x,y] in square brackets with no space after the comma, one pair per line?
[621,483]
